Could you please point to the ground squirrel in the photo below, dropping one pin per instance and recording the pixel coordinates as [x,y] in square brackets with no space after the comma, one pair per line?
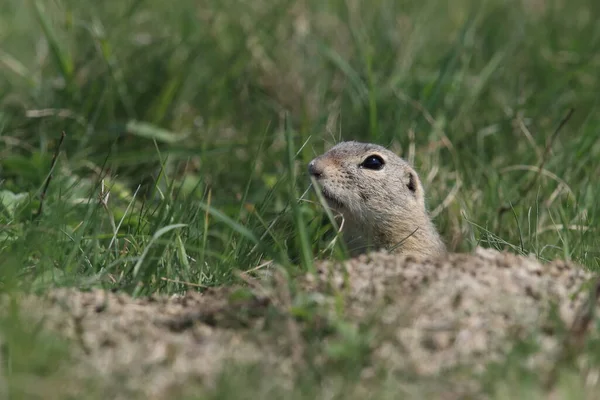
[380,197]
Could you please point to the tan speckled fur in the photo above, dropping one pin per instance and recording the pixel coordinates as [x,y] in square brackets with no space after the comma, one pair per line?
[381,208]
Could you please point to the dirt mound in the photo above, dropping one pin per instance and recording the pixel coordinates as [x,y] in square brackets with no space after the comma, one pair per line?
[153,345]
[424,317]
[463,309]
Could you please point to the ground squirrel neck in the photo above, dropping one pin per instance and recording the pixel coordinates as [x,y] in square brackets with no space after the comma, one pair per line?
[380,198]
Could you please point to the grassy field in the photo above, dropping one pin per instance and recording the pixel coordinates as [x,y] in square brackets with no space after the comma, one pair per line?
[188,127]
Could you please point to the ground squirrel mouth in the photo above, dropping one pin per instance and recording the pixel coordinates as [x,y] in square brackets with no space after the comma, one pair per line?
[332,200]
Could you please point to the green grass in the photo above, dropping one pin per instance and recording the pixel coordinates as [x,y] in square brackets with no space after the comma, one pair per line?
[199,119]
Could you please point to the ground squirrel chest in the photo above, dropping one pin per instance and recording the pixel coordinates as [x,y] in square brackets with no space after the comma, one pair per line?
[380,198]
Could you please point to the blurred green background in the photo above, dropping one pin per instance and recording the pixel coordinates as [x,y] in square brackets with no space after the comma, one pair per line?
[199,118]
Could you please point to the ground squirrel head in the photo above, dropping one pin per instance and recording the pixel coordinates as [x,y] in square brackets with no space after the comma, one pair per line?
[380,197]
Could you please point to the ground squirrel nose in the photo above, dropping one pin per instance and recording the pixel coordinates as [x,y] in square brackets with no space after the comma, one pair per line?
[314,170]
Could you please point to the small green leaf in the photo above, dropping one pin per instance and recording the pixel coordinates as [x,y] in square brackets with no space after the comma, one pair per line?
[10,201]
[149,131]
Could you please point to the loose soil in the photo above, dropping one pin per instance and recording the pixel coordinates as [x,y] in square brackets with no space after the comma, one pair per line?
[405,319]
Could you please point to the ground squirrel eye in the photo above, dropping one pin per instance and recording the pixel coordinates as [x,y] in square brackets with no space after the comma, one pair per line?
[373,162]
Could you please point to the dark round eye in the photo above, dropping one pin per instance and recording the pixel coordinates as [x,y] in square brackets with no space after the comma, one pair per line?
[373,162]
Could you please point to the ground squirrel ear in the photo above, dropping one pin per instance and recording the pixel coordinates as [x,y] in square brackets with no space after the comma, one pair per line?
[412,182]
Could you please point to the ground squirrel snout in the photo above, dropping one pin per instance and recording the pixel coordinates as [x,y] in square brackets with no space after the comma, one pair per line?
[379,196]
